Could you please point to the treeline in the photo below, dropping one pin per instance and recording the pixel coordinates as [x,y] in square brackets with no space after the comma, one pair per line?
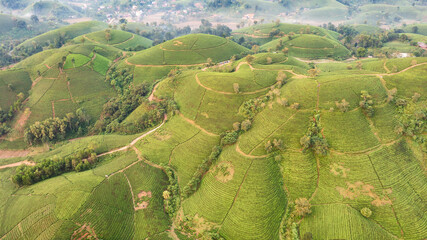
[120,78]
[54,129]
[171,197]
[116,110]
[47,168]
[220,30]
[314,138]
[5,116]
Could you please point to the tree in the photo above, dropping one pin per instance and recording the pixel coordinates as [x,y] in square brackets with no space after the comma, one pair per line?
[414,29]
[108,35]
[314,72]
[367,103]
[361,52]
[82,40]
[166,194]
[255,49]
[246,125]
[209,61]
[343,105]
[269,60]
[249,58]
[34,19]
[285,50]
[236,126]
[236,87]
[281,78]
[302,207]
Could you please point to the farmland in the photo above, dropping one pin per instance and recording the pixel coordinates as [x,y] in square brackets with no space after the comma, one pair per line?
[194,139]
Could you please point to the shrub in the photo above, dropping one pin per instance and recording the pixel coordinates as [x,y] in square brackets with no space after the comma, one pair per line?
[229,138]
[343,105]
[302,207]
[367,103]
[366,212]
[246,125]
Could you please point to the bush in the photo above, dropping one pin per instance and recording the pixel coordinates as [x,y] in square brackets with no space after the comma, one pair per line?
[47,168]
[314,139]
[367,103]
[229,138]
[366,212]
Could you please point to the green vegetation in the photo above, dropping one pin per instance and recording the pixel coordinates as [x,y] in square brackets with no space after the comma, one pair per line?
[189,49]
[195,138]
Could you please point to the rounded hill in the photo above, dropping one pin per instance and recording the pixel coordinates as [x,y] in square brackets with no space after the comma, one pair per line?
[189,49]
[309,46]
[117,38]
[264,33]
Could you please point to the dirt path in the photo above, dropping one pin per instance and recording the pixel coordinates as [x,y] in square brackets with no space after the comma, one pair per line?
[47,66]
[317,61]
[237,192]
[53,109]
[152,97]
[17,164]
[18,127]
[391,74]
[164,65]
[385,66]
[266,69]
[275,130]
[197,126]
[115,44]
[252,35]
[247,155]
[229,93]
[134,141]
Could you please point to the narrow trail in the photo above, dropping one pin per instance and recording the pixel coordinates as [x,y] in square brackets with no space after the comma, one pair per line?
[230,93]
[197,126]
[296,75]
[318,96]
[164,65]
[152,97]
[238,150]
[382,186]
[391,74]
[317,180]
[129,39]
[134,141]
[47,66]
[368,150]
[131,191]
[237,192]
[53,108]
[385,67]
[18,164]
[275,130]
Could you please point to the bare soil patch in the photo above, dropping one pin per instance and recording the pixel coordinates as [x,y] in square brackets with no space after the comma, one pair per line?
[224,172]
[339,170]
[84,232]
[354,190]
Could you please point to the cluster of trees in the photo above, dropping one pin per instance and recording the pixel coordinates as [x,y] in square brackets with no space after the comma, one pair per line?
[119,79]
[5,116]
[253,106]
[148,119]
[227,138]
[53,129]
[47,168]
[298,209]
[412,119]
[14,4]
[118,108]
[219,30]
[275,145]
[171,197]
[203,168]
[215,4]
[367,103]
[314,138]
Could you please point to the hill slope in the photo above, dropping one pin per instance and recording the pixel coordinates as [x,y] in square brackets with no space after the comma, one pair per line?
[187,50]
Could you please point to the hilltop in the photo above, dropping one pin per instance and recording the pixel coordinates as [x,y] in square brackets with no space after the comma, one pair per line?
[201,138]
[188,50]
